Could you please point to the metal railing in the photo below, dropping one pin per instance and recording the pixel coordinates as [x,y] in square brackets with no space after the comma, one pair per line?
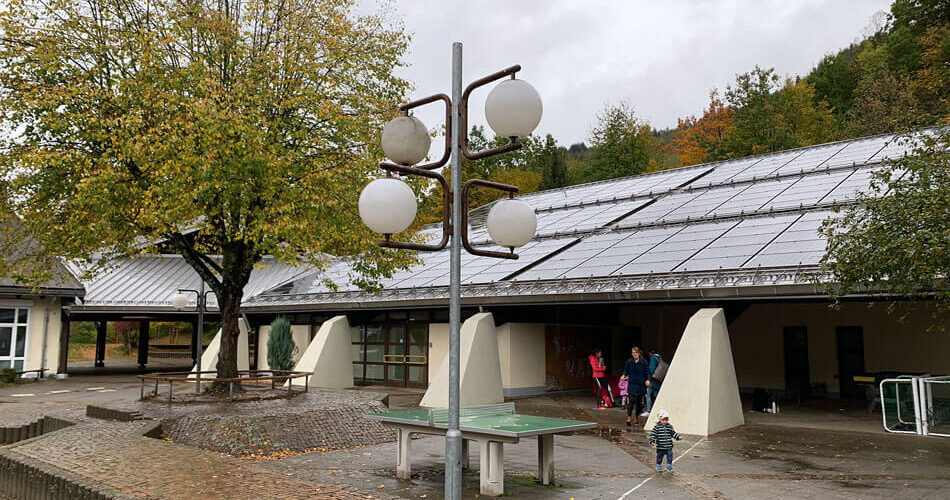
[916,405]
[244,377]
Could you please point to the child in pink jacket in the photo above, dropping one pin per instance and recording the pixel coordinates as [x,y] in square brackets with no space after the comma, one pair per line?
[622,384]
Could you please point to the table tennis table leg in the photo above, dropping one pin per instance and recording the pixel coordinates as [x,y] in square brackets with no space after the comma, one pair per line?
[492,471]
[546,459]
[466,463]
[403,440]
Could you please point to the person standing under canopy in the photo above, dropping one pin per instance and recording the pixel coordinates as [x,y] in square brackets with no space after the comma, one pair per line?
[600,376]
[637,373]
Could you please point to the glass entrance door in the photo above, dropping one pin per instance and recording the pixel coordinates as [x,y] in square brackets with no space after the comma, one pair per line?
[393,352]
[407,359]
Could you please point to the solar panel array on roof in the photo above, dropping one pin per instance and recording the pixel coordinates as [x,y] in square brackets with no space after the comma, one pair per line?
[760,212]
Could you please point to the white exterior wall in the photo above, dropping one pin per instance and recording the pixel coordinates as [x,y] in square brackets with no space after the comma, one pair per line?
[33,349]
[301,336]
[438,347]
[889,344]
[522,357]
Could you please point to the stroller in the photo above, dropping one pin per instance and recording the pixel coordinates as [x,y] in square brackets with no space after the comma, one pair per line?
[606,395]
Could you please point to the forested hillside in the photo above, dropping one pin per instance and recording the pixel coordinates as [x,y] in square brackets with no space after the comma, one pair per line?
[895,78]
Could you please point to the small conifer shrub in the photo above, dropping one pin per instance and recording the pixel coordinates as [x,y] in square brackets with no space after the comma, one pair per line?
[280,345]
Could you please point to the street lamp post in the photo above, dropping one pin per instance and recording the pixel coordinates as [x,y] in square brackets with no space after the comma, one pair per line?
[180,301]
[388,206]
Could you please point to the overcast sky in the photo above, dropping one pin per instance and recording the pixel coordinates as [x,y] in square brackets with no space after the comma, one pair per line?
[662,57]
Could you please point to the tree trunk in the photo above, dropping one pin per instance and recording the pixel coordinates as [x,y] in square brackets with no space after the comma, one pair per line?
[230,306]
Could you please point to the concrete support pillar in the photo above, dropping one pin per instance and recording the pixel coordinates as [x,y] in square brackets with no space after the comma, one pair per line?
[100,343]
[63,343]
[329,356]
[466,460]
[143,343]
[403,442]
[492,468]
[546,459]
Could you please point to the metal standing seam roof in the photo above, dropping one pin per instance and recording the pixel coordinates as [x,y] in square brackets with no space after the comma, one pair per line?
[148,282]
[746,227]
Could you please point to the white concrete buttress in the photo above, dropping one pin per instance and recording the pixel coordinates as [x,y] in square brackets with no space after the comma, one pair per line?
[480,368]
[329,356]
[700,391]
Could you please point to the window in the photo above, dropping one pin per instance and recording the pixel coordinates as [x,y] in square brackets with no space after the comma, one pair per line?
[13,337]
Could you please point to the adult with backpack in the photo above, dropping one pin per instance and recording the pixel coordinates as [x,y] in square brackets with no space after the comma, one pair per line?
[658,369]
[636,371]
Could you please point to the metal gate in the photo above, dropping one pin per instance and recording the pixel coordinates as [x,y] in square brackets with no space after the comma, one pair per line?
[916,405]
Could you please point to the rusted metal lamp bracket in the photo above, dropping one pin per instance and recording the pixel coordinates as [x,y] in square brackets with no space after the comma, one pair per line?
[447,153]
[463,116]
[463,226]
[446,208]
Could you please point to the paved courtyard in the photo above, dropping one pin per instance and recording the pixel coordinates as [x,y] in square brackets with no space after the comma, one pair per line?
[828,451]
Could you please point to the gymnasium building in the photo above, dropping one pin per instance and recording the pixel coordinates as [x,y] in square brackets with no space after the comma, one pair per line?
[614,264]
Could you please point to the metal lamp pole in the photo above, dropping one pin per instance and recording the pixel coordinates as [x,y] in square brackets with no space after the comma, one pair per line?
[202,300]
[455,228]
[453,436]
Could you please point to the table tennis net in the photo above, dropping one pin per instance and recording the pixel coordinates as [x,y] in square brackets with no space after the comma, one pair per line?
[441,415]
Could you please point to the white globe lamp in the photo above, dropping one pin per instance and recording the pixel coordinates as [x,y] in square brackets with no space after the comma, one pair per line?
[511,223]
[406,140]
[179,301]
[513,108]
[387,206]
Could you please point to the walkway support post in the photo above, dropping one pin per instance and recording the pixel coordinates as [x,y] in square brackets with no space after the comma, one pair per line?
[100,343]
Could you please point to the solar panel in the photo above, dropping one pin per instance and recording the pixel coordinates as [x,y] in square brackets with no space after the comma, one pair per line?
[858,152]
[800,243]
[724,171]
[811,159]
[738,244]
[665,256]
[767,166]
[756,196]
[858,181]
[807,190]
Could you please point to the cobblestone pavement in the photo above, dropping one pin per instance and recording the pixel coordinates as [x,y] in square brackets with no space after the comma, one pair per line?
[802,453]
[116,455]
[314,420]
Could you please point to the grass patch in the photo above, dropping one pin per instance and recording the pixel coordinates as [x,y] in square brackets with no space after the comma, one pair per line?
[87,352]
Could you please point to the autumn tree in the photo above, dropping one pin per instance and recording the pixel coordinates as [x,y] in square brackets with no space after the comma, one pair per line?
[621,145]
[883,103]
[698,140]
[772,116]
[896,239]
[222,130]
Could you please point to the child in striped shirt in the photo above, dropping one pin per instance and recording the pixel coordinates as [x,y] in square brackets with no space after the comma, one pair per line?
[662,437]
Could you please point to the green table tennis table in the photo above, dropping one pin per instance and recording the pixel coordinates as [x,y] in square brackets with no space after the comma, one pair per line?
[490,426]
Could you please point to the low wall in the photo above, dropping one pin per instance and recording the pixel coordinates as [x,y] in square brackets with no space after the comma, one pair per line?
[25,477]
[12,434]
